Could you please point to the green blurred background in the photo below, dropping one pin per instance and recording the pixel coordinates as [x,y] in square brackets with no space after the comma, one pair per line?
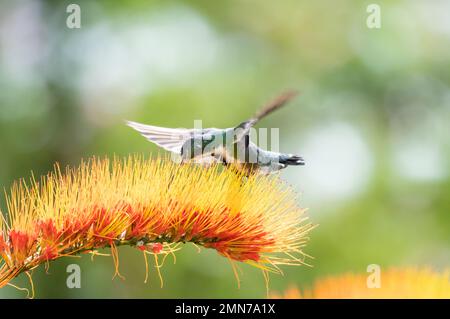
[372,121]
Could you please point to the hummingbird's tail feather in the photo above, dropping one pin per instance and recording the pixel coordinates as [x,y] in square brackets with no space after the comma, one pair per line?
[242,129]
[289,159]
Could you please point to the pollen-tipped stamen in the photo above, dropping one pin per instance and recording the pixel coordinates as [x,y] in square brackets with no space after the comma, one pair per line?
[153,205]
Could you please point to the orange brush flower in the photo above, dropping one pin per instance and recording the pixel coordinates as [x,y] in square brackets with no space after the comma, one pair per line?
[154,205]
[394,284]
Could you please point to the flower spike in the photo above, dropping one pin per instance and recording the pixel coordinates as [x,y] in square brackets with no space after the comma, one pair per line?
[153,205]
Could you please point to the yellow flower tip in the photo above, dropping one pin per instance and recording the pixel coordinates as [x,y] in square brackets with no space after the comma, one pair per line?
[395,283]
[153,205]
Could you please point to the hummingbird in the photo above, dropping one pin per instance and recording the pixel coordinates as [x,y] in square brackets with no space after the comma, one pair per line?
[229,146]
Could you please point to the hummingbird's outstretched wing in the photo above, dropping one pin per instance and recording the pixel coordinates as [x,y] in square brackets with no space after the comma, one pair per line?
[171,139]
[243,129]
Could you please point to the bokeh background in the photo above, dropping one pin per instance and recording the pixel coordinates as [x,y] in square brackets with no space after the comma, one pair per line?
[372,121]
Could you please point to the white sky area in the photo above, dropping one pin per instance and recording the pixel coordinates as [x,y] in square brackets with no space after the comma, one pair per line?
[434,15]
[22,49]
[22,44]
[420,152]
[418,160]
[338,164]
[123,61]
[409,24]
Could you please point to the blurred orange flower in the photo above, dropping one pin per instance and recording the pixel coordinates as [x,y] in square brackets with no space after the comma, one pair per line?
[395,283]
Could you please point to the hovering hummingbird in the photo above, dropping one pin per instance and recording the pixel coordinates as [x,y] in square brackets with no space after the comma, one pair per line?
[229,146]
